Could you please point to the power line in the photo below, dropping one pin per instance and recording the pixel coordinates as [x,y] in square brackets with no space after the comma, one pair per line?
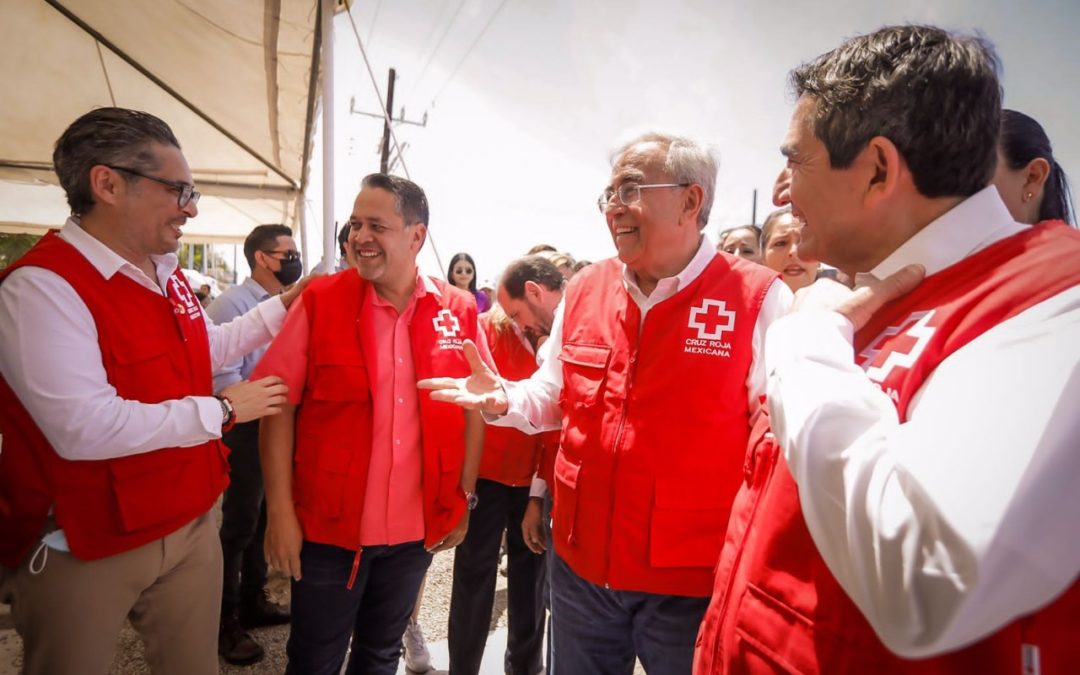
[470,50]
[431,57]
[371,28]
[386,116]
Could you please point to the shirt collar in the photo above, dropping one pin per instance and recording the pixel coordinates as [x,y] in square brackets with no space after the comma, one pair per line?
[975,223]
[705,253]
[107,261]
[256,289]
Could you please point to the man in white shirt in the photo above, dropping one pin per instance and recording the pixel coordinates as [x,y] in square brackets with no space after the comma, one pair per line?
[654,379]
[111,430]
[921,503]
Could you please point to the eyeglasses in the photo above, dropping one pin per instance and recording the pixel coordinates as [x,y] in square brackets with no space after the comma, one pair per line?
[285,255]
[185,192]
[630,193]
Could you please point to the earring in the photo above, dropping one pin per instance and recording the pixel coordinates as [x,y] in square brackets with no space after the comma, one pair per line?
[1028,196]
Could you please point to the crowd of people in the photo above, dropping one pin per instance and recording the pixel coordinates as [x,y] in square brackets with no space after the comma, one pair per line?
[837,443]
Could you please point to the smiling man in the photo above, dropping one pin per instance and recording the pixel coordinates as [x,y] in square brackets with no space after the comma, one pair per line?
[365,477]
[915,511]
[112,455]
[656,381]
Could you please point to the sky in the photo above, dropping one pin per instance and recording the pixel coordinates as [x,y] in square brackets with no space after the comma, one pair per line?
[525,99]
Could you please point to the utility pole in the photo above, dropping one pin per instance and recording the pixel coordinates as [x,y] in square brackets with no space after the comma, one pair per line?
[388,117]
[385,161]
[753,209]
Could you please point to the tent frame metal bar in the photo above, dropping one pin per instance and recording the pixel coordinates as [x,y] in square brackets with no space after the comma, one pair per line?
[55,4]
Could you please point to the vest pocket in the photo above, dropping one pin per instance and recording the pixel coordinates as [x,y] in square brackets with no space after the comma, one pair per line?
[322,474]
[146,486]
[340,382]
[141,370]
[688,523]
[584,370]
[565,509]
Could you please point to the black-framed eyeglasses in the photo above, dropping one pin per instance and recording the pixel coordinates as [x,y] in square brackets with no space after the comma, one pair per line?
[185,192]
[630,193]
[285,255]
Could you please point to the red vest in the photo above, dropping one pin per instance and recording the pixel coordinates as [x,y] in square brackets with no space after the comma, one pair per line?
[154,348]
[776,607]
[509,455]
[545,464]
[334,420]
[655,424]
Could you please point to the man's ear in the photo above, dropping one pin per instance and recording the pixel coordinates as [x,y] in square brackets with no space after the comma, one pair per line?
[693,200]
[532,290]
[106,185]
[882,166]
[419,235]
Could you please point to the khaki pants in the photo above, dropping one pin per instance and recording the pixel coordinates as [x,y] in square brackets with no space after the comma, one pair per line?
[69,614]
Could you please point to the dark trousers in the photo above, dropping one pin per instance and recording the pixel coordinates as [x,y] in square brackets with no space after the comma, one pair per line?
[476,563]
[243,521]
[325,613]
[600,631]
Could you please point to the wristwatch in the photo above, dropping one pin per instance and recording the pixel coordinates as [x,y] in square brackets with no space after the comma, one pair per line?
[228,414]
[471,500]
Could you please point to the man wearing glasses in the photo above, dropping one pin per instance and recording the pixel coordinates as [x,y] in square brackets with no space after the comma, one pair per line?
[657,378]
[112,456]
[275,264]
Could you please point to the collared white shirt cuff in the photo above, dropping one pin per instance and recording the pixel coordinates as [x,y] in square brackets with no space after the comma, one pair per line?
[209,415]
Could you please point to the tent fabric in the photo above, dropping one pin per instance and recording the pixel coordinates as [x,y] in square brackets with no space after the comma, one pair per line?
[243,68]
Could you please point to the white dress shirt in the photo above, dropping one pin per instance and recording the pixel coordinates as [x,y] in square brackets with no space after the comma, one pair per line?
[533,404]
[49,356]
[948,526]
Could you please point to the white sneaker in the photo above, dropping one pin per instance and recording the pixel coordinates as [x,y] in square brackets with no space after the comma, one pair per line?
[417,657]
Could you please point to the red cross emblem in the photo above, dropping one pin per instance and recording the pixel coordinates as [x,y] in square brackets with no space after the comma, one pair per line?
[906,343]
[712,319]
[446,323]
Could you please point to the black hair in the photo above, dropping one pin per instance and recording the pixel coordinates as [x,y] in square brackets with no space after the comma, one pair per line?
[450,270]
[106,136]
[1022,140]
[531,268]
[263,238]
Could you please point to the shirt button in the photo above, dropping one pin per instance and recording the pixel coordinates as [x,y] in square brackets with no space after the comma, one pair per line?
[397,441]
[400,360]
[400,400]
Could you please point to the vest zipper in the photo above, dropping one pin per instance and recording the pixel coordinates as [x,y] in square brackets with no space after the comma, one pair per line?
[615,459]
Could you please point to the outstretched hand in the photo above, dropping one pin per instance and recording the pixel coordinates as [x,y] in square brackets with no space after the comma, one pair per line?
[481,390]
[860,304]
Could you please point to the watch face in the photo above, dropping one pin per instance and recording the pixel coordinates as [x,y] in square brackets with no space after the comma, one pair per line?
[471,500]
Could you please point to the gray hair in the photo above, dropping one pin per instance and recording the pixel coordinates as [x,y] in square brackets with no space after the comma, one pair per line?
[688,161]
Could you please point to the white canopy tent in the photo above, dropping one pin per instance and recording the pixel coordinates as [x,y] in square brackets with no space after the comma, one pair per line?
[236,81]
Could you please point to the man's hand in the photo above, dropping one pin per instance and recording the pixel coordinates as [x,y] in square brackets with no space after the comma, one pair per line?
[860,304]
[533,528]
[296,289]
[480,391]
[252,400]
[282,542]
[456,536]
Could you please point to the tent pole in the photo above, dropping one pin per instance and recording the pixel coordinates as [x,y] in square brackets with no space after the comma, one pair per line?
[329,235]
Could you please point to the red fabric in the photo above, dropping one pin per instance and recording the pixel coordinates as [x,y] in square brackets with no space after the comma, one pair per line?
[334,420]
[510,455]
[549,448]
[654,426]
[153,349]
[776,607]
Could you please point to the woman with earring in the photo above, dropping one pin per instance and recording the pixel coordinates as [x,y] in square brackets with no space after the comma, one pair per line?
[1029,179]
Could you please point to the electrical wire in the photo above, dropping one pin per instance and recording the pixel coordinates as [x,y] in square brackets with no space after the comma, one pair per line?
[386,116]
[431,56]
[467,53]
